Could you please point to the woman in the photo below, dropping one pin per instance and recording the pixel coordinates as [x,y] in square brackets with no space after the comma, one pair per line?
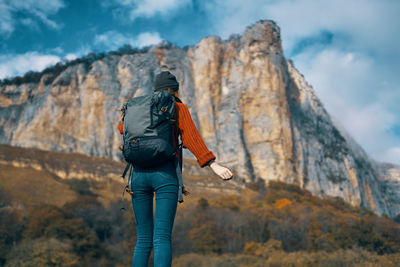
[163,181]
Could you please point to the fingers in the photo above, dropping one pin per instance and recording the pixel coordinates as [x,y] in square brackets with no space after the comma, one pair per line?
[223,172]
[226,175]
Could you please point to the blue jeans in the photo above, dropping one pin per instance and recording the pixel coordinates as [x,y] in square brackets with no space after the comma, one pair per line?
[144,182]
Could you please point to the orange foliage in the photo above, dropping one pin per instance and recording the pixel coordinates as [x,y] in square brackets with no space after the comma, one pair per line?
[251,247]
[282,203]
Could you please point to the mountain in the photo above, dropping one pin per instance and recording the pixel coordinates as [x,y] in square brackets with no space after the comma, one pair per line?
[254,110]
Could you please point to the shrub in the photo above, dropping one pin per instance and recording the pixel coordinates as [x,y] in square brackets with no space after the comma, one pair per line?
[42,252]
[40,218]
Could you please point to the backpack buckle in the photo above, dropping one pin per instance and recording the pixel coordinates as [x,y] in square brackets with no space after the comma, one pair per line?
[128,190]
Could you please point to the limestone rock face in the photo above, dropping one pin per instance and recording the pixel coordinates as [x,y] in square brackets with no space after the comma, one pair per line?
[254,110]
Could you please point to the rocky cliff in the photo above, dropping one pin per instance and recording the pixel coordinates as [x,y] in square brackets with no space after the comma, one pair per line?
[254,110]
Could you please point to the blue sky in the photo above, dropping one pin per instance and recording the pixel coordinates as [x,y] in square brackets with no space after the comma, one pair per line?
[347,50]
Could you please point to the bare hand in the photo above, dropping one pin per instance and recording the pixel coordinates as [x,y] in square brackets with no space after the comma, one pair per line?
[221,171]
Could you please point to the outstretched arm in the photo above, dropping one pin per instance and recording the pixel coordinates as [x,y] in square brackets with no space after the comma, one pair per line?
[192,140]
[191,137]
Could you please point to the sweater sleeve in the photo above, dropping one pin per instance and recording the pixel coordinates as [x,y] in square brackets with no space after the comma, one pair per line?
[191,137]
[121,127]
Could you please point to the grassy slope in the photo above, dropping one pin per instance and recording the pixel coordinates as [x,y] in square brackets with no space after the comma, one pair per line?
[29,187]
[28,177]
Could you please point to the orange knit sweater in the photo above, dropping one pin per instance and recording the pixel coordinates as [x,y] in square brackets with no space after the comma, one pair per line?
[189,134]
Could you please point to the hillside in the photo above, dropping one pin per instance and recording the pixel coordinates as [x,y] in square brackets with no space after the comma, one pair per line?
[52,213]
[33,176]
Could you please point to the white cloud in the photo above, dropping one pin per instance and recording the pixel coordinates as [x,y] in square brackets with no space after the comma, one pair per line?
[36,10]
[114,40]
[12,65]
[150,8]
[148,38]
[71,56]
[355,89]
[369,23]
[338,75]
[233,16]
[6,20]
[392,154]
[18,64]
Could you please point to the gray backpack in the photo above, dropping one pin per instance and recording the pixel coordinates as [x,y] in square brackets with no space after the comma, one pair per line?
[148,134]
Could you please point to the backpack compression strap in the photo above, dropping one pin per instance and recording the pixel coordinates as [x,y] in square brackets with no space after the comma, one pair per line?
[178,167]
[126,170]
[129,167]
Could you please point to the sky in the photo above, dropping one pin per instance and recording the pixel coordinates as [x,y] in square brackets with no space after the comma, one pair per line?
[347,50]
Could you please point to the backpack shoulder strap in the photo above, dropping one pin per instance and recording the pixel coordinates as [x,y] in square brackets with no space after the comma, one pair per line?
[177,99]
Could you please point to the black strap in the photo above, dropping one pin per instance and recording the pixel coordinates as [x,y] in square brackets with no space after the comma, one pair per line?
[129,167]
[177,99]
[126,170]
[180,182]
[178,168]
[181,146]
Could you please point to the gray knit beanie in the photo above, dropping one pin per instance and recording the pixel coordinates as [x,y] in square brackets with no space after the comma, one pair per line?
[164,80]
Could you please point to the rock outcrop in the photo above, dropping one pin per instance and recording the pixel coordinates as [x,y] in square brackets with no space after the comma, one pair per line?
[254,110]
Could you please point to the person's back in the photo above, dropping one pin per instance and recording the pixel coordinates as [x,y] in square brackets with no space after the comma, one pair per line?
[163,181]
